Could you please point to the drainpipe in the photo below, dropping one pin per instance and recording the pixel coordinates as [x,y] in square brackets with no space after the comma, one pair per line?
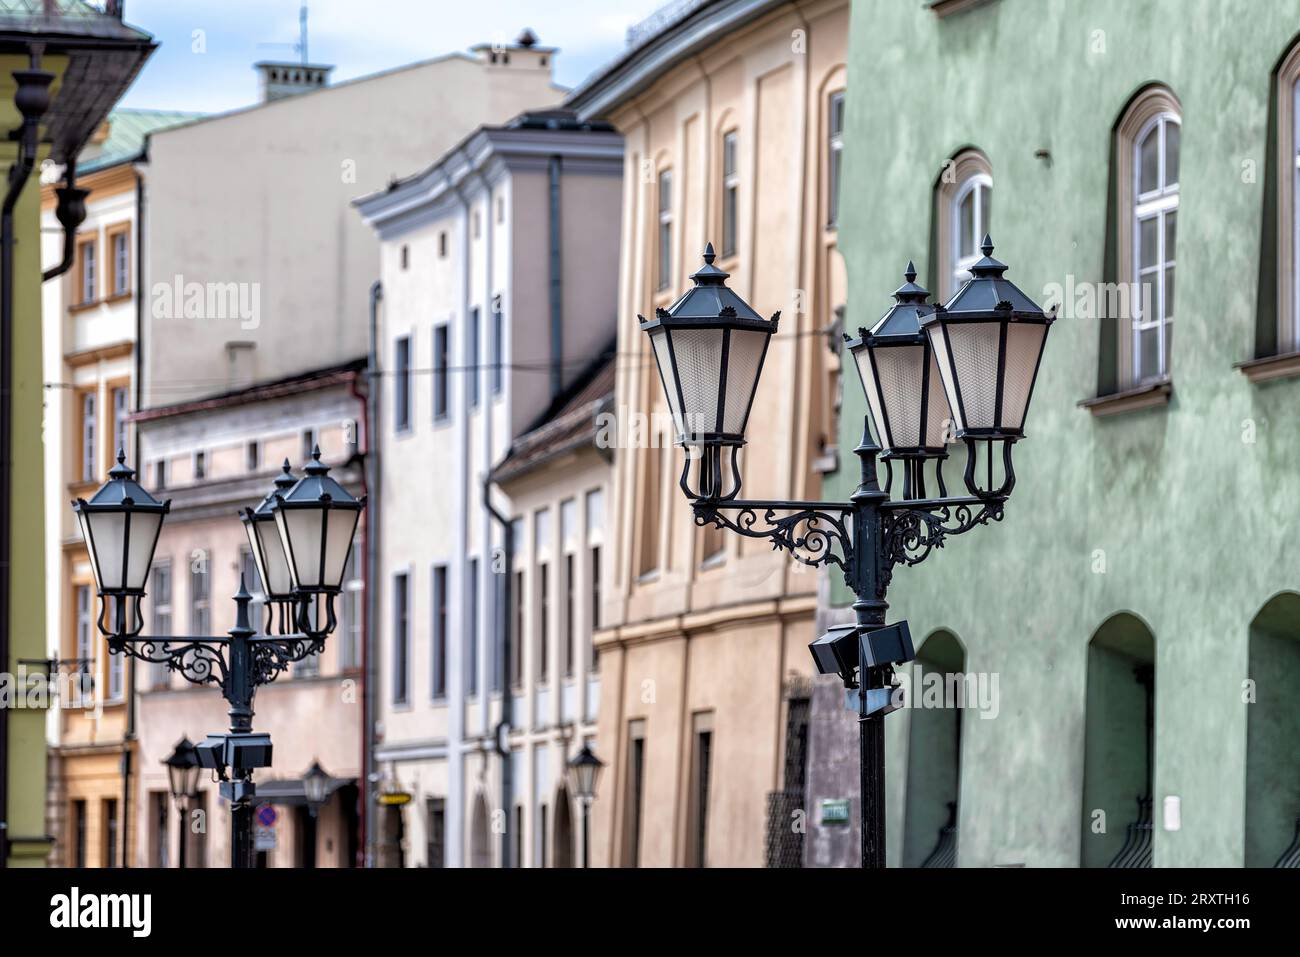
[71,213]
[32,100]
[507,698]
[557,281]
[368,658]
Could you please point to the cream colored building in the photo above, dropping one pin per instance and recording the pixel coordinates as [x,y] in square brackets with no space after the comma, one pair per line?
[89,326]
[731,113]
[499,278]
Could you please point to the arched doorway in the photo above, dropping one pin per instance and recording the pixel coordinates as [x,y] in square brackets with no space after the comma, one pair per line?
[1272,729]
[480,840]
[934,753]
[1119,745]
[563,831]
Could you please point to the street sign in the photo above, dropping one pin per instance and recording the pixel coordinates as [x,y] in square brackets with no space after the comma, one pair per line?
[835,811]
[267,815]
[391,798]
[264,839]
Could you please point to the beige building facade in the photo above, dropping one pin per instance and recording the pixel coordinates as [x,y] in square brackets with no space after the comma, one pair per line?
[731,115]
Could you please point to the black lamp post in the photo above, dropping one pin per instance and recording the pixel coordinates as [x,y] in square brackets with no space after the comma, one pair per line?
[983,348]
[183,779]
[315,520]
[584,774]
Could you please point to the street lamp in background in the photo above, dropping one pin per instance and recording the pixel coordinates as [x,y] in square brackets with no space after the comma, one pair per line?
[183,779]
[314,521]
[932,374]
[584,774]
[315,786]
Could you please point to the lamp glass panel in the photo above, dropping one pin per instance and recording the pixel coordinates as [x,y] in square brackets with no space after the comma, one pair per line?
[82,520]
[107,541]
[975,361]
[1024,344]
[659,337]
[300,534]
[901,370]
[699,364]
[338,539]
[938,413]
[939,348]
[744,363]
[868,376]
[144,536]
[268,552]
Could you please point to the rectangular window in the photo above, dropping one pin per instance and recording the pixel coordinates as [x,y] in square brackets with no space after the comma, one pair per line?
[88,440]
[402,384]
[121,241]
[253,456]
[519,835]
[595,604]
[121,409]
[78,833]
[109,806]
[353,617]
[568,615]
[441,392]
[665,264]
[442,245]
[160,474]
[308,443]
[835,153]
[439,676]
[200,465]
[199,619]
[542,834]
[159,840]
[498,347]
[635,793]
[161,593]
[401,639]
[116,676]
[517,630]
[730,192]
[701,768]
[87,274]
[436,834]
[651,494]
[471,359]
[544,625]
[85,631]
[471,629]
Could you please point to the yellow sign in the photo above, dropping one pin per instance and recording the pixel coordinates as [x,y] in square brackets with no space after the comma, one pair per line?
[395,797]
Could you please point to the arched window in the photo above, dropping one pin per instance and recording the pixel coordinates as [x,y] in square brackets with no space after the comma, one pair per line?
[965,200]
[1148,144]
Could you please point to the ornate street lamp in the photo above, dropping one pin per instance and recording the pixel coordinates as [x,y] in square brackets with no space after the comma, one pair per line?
[120,526]
[709,346]
[904,387]
[268,553]
[984,348]
[584,774]
[988,340]
[315,520]
[183,779]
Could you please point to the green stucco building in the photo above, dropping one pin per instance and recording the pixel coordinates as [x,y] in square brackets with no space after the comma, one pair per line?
[1147,571]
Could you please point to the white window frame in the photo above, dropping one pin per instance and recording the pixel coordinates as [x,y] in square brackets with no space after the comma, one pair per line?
[959,266]
[834,157]
[730,193]
[1154,204]
[89,435]
[664,232]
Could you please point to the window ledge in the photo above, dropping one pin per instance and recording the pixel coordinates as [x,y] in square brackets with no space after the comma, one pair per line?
[1283,366]
[1145,396]
[944,8]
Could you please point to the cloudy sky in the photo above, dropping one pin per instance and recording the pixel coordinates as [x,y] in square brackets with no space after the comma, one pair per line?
[356,36]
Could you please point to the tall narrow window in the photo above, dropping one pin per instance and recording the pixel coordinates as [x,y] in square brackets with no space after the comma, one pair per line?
[633,806]
[517,630]
[730,193]
[402,384]
[353,618]
[834,155]
[308,443]
[544,624]
[701,768]
[963,202]
[1155,229]
[121,409]
[200,465]
[116,677]
[498,345]
[110,828]
[121,262]
[471,357]
[436,833]
[159,840]
[85,629]
[87,275]
[471,628]
[401,639]
[253,456]
[1288,213]
[568,614]
[439,631]
[79,833]
[543,832]
[161,595]
[88,433]
[440,387]
[199,593]
[652,492]
[665,264]
[594,559]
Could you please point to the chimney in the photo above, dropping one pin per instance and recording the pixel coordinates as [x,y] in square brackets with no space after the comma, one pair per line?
[281,79]
[525,53]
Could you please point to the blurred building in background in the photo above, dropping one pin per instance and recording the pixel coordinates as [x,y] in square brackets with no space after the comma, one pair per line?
[499,277]
[89,317]
[66,63]
[732,113]
[1139,606]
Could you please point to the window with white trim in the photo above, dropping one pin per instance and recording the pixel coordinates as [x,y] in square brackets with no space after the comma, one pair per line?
[963,203]
[730,193]
[665,207]
[1155,230]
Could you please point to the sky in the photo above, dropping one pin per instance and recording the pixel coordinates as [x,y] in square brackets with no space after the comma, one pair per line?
[211,70]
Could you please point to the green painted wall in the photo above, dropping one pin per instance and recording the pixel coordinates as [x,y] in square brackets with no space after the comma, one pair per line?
[1196,526]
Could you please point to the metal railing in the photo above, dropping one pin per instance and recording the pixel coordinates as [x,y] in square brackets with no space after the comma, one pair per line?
[1136,851]
[945,851]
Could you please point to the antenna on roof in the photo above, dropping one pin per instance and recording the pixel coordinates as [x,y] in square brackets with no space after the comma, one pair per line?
[301,46]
